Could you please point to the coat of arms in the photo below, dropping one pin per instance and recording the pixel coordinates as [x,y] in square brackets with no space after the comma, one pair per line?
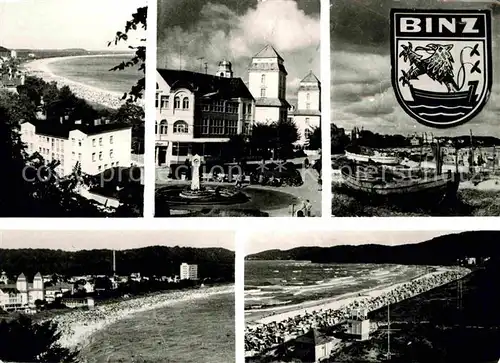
[441,64]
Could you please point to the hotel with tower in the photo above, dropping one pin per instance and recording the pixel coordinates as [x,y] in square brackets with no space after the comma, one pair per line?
[197,113]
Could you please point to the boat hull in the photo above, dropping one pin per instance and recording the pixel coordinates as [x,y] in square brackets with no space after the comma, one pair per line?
[407,193]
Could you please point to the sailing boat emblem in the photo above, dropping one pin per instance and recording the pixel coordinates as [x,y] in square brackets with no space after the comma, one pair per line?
[441,64]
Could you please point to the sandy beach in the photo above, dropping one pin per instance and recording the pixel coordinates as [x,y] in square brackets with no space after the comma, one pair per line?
[77,326]
[274,330]
[41,68]
[282,313]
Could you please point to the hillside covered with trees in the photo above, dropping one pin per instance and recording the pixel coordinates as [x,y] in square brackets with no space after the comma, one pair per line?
[442,250]
[149,261]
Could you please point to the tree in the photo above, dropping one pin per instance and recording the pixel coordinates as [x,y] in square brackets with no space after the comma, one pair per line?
[314,139]
[39,342]
[33,89]
[339,140]
[235,148]
[287,134]
[138,21]
[277,136]
[132,115]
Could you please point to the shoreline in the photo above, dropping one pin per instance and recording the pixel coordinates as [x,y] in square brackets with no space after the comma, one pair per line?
[77,327]
[337,302]
[41,68]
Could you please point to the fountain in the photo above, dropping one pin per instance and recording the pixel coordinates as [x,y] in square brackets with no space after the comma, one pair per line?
[197,194]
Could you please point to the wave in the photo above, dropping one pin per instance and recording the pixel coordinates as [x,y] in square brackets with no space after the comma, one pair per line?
[442,114]
[446,107]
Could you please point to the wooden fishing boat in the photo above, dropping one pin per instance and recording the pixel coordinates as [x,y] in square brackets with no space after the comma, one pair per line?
[381,159]
[370,181]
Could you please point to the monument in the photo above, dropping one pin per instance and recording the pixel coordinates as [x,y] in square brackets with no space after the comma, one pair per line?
[195,172]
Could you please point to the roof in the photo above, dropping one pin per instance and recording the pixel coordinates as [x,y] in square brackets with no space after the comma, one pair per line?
[9,290]
[3,49]
[271,102]
[56,129]
[268,52]
[310,78]
[38,275]
[206,84]
[21,276]
[313,336]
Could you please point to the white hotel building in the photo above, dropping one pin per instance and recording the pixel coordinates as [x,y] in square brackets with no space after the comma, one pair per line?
[96,147]
[189,272]
[197,113]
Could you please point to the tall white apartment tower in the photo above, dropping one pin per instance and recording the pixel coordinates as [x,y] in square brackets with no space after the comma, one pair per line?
[189,272]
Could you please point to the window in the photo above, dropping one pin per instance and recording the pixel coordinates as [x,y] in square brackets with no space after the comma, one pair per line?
[307,121]
[100,155]
[249,108]
[218,106]
[164,102]
[180,127]
[205,123]
[79,142]
[177,102]
[232,107]
[185,103]
[307,133]
[99,168]
[111,154]
[180,149]
[100,141]
[263,79]
[262,92]
[231,127]
[105,166]
[73,155]
[111,139]
[93,142]
[73,141]
[205,107]
[156,100]
[93,156]
[308,96]
[308,106]
[217,127]
[164,127]
[52,143]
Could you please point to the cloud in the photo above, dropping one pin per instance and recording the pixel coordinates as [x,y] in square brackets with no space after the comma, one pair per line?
[220,31]
[361,89]
[371,24]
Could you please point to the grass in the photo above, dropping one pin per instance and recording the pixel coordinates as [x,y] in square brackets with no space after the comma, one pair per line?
[469,202]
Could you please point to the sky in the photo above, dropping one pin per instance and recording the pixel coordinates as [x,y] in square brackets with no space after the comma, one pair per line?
[361,90]
[291,239]
[237,30]
[119,240]
[58,24]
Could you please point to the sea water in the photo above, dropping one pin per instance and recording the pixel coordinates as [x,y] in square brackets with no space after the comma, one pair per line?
[95,71]
[280,283]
